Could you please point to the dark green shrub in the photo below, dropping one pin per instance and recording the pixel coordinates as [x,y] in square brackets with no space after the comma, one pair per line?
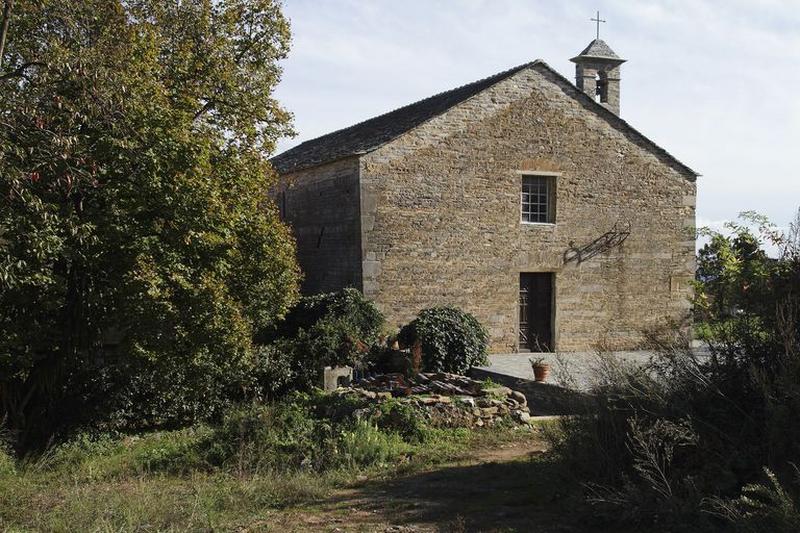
[403,419]
[359,315]
[331,329]
[275,371]
[452,340]
[298,433]
[274,436]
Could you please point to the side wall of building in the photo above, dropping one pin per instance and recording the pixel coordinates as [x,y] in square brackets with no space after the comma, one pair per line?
[322,206]
[440,218]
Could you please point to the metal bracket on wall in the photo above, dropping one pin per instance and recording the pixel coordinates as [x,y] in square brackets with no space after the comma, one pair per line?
[605,242]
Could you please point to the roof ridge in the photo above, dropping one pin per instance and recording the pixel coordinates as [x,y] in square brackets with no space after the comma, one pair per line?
[372,133]
[283,161]
[610,116]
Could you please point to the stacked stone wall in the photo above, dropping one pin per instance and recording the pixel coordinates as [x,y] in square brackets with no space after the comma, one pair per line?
[322,206]
[440,217]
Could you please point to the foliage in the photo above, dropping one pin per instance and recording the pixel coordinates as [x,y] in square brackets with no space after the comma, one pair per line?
[762,507]
[179,480]
[332,329]
[317,432]
[358,316]
[402,419]
[139,250]
[673,443]
[269,437]
[452,340]
[738,284]
[364,444]
[7,463]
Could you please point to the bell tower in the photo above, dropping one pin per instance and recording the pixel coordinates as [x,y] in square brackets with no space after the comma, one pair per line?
[597,72]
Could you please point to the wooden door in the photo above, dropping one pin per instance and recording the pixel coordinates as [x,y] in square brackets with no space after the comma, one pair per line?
[536,311]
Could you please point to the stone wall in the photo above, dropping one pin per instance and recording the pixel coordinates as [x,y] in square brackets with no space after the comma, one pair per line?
[322,206]
[440,217]
[585,78]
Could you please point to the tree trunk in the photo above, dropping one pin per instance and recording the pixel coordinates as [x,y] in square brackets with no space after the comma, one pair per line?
[7,5]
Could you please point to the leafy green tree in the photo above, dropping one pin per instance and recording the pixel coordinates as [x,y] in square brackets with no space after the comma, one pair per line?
[740,289]
[728,268]
[139,249]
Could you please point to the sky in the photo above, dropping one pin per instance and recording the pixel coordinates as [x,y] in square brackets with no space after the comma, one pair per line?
[714,82]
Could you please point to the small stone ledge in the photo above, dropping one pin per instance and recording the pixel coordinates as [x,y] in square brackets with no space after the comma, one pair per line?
[446,400]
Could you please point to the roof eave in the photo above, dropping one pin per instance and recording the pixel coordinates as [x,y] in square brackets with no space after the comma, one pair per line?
[613,117]
[607,59]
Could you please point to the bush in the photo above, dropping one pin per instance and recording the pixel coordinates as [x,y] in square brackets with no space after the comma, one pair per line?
[683,443]
[315,432]
[357,315]
[331,329]
[177,452]
[275,370]
[365,445]
[8,465]
[766,506]
[452,340]
[402,419]
[276,436]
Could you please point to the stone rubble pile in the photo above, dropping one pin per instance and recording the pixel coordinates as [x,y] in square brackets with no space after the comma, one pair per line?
[447,400]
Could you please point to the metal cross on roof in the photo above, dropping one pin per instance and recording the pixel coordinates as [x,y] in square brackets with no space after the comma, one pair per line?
[598,20]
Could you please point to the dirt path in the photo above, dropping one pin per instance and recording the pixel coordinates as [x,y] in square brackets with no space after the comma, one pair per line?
[501,489]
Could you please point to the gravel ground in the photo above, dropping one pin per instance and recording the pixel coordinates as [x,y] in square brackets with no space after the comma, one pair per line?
[574,370]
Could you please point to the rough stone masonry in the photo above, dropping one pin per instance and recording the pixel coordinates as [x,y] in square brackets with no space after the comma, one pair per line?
[422,207]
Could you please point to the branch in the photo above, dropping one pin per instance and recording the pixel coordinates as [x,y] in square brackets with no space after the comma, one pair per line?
[20,70]
[208,106]
[7,5]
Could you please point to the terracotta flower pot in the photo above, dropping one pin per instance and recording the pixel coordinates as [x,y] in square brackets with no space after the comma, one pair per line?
[541,371]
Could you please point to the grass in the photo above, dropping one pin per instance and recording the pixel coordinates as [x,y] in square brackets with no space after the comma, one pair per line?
[160,501]
[180,480]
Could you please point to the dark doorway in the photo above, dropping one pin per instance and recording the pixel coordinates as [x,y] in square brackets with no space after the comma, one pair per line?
[536,312]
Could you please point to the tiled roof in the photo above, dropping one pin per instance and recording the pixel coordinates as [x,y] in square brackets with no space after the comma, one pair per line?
[599,48]
[369,135]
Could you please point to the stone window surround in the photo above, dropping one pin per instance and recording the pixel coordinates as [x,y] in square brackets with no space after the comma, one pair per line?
[547,174]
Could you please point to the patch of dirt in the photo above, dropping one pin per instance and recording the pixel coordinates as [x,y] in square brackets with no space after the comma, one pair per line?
[504,488]
[513,451]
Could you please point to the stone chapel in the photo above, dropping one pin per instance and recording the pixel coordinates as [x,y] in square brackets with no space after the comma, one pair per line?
[522,198]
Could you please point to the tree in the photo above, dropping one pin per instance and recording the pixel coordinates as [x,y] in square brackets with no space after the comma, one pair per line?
[733,269]
[139,248]
[739,288]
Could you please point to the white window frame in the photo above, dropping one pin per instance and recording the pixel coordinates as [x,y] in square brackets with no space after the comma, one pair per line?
[551,195]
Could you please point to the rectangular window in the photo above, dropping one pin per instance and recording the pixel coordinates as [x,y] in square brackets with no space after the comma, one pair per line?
[538,205]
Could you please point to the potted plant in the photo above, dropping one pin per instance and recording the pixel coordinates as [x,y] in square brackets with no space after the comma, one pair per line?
[540,369]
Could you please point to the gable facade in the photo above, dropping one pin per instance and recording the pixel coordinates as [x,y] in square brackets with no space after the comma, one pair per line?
[433,217]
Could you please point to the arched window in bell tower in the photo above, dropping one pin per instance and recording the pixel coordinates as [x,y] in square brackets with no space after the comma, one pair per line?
[601,84]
